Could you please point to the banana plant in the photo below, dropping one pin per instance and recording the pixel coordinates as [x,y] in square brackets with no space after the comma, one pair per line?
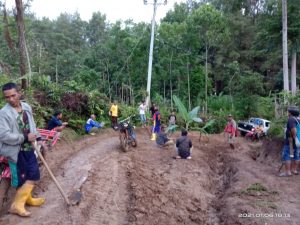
[203,131]
[188,117]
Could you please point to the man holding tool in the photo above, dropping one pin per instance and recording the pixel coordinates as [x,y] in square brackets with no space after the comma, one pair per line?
[17,135]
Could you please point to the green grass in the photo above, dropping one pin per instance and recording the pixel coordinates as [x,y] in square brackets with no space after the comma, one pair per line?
[263,204]
[257,189]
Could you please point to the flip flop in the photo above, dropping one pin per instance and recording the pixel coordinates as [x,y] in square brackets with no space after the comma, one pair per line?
[284,175]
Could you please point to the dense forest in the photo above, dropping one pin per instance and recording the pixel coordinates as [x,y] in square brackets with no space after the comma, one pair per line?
[222,55]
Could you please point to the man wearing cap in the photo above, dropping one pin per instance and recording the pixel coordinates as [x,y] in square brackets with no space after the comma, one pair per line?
[230,129]
[290,153]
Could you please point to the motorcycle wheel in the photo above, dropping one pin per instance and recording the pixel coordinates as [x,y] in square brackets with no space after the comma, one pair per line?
[134,143]
[123,142]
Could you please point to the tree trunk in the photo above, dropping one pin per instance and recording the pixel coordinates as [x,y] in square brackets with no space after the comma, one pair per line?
[171,88]
[293,73]
[189,89]
[285,47]
[164,91]
[7,36]
[28,63]
[107,71]
[21,33]
[56,70]
[39,49]
[206,78]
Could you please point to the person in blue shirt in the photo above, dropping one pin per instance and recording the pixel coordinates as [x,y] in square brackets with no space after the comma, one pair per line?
[92,126]
[162,139]
[290,152]
[56,123]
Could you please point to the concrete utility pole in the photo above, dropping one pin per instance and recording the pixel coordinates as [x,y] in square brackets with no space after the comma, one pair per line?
[155,3]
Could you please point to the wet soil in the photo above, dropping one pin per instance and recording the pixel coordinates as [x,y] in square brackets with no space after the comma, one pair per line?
[147,186]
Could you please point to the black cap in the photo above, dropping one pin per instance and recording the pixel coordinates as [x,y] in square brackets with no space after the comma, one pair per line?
[294,110]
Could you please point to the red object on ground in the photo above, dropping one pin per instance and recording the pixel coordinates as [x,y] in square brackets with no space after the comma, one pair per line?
[49,135]
[6,172]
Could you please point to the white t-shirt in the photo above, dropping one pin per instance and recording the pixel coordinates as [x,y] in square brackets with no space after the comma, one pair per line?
[142,109]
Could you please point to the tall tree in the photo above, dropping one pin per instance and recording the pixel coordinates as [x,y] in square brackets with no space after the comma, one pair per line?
[22,41]
[285,47]
[211,28]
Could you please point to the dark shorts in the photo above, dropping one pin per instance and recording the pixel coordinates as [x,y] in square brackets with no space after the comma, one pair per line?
[286,153]
[114,120]
[184,154]
[27,167]
[156,129]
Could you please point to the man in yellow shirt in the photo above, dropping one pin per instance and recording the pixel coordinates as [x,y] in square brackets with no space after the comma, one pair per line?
[113,112]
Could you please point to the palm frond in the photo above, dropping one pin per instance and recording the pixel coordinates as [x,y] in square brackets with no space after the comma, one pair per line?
[194,112]
[181,108]
[171,128]
[197,119]
[208,124]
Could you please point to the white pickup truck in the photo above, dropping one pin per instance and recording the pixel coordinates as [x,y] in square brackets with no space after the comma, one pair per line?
[245,127]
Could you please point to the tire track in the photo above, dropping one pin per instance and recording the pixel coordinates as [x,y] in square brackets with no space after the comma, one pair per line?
[96,171]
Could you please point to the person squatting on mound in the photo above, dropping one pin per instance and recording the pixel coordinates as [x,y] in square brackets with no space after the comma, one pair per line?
[290,153]
[92,126]
[17,135]
[184,146]
[55,122]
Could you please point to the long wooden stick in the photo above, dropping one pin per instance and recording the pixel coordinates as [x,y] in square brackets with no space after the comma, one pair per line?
[280,167]
[37,149]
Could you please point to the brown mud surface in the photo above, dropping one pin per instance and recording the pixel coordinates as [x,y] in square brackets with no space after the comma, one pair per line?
[147,186]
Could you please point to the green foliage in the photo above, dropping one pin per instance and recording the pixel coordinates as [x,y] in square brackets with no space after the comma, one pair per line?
[126,111]
[3,80]
[77,125]
[70,135]
[188,117]
[97,102]
[265,109]
[220,105]
[247,94]
[218,125]
[207,127]
[277,127]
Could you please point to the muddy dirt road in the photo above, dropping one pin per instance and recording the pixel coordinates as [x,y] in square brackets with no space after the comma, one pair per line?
[146,186]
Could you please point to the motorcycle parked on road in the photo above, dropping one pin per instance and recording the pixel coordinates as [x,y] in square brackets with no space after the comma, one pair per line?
[127,135]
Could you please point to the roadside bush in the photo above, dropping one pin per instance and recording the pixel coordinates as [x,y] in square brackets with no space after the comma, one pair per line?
[277,128]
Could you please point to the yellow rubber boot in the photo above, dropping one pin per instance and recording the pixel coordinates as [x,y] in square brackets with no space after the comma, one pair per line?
[18,205]
[34,201]
[153,137]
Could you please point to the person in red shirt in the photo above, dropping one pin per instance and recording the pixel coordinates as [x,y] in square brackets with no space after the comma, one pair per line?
[230,129]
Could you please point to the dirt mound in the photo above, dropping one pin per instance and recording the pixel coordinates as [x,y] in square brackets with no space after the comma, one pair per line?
[268,151]
[271,150]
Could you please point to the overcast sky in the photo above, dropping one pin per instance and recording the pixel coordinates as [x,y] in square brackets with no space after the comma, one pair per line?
[114,9]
